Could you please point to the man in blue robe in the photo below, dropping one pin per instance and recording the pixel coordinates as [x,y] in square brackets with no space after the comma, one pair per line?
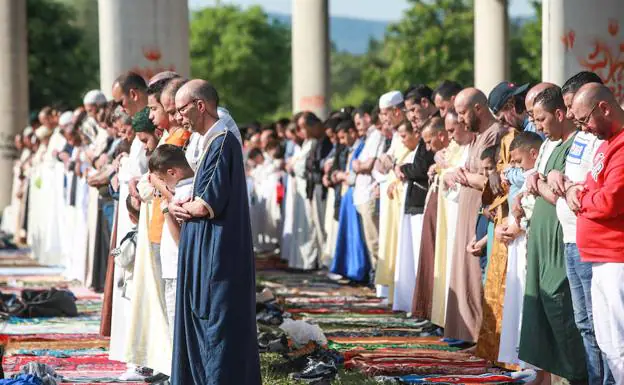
[215,339]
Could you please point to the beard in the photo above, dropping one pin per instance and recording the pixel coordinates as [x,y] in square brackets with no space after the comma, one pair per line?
[473,124]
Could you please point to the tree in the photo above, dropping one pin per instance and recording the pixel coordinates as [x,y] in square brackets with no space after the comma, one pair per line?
[526,48]
[245,55]
[433,41]
[62,65]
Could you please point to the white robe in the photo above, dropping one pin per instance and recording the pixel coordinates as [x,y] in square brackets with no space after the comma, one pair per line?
[515,280]
[147,340]
[130,167]
[302,249]
[265,211]
[408,255]
[331,229]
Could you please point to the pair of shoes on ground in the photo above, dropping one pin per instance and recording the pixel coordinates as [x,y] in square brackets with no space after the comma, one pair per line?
[318,369]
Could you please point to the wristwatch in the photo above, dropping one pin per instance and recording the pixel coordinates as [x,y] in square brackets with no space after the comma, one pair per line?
[165,210]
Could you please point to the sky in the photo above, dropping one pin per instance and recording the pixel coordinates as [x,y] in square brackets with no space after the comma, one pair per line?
[386,10]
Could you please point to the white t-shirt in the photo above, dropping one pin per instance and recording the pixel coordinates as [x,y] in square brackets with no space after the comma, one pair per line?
[364,191]
[578,163]
[168,246]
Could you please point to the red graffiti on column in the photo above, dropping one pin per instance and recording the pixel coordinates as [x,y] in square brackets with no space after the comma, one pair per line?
[152,55]
[312,102]
[605,57]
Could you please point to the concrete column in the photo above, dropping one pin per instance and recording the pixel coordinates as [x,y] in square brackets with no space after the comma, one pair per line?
[491,31]
[14,87]
[310,56]
[146,36]
[583,36]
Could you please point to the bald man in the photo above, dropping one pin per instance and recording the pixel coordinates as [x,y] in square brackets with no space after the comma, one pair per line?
[464,309]
[215,338]
[600,218]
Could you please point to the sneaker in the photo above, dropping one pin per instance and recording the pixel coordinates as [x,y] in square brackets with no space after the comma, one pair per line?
[334,277]
[272,344]
[265,296]
[157,378]
[135,374]
[316,370]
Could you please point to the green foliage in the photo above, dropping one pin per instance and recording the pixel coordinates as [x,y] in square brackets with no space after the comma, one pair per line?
[62,63]
[245,55]
[433,41]
[526,48]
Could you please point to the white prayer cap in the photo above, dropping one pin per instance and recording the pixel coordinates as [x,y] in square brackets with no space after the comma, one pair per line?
[66,118]
[28,131]
[391,99]
[94,97]
[43,132]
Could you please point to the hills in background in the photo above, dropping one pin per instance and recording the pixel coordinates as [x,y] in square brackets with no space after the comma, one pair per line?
[353,35]
[347,34]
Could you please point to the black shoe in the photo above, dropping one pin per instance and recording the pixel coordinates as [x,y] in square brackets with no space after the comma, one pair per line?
[272,344]
[157,378]
[316,370]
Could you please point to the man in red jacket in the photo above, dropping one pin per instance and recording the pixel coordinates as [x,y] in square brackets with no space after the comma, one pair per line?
[599,204]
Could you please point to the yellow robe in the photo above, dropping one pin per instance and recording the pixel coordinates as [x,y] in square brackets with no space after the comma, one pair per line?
[454,158]
[494,290]
[389,215]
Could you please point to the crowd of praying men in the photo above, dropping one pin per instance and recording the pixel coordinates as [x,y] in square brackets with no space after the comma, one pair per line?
[496,217]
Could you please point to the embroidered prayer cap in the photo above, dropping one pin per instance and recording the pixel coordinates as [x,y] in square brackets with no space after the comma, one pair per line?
[142,123]
[502,92]
[391,99]
[94,97]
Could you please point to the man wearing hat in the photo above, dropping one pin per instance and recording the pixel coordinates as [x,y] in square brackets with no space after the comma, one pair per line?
[393,152]
[506,101]
[93,101]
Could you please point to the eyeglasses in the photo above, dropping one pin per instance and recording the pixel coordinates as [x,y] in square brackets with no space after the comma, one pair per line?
[184,108]
[585,121]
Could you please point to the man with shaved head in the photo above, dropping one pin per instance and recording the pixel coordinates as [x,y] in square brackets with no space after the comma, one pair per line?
[448,160]
[215,338]
[578,163]
[464,310]
[600,218]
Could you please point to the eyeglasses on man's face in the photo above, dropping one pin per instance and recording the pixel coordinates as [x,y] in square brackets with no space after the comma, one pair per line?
[585,121]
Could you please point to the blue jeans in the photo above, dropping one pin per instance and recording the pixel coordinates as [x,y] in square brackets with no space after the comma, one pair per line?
[580,276]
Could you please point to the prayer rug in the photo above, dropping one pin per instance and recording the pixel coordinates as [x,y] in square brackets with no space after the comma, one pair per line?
[491,379]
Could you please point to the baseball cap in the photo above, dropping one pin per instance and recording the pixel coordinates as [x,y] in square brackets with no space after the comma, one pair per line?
[502,92]
[391,99]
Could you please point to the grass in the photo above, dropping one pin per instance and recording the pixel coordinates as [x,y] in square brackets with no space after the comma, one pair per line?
[272,377]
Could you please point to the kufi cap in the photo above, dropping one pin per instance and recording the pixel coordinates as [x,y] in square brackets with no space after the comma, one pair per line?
[502,92]
[142,123]
[28,131]
[94,97]
[43,132]
[66,118]
[391,99]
